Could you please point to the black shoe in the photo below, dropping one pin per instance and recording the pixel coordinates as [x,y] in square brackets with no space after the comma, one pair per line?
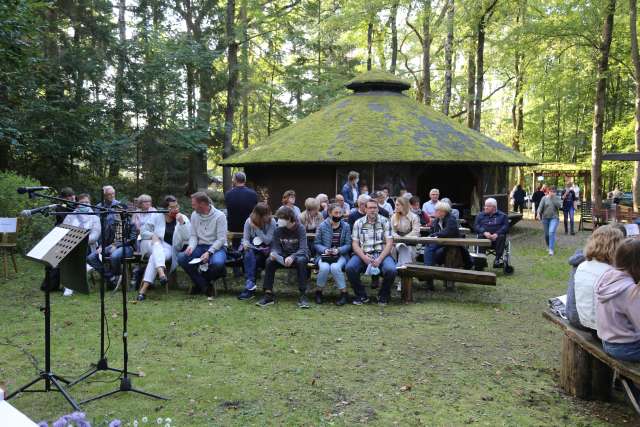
[318,297]
[573,233]
[267,299]
[344,299]
[383,300]
[303,302]
[360,300]
[141,297]
[164,280]
[498,264]
[246,295]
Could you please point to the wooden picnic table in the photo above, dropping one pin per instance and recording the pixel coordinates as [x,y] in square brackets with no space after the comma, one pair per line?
[442,241]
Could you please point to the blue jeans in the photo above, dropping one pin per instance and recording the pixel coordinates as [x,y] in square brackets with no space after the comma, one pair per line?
[252,261]
[433,254]
[336,271]
[355,267]
[216,266]
[568,219]
[550,225]
[115,259]
[629,351]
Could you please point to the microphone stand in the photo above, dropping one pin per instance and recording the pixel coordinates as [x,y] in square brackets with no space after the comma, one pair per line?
[125,380]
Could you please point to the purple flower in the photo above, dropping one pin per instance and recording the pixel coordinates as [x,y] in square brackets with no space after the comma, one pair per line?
[115,423]
[77,418]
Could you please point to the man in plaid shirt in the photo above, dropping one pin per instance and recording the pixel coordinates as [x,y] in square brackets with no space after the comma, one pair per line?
[372,242]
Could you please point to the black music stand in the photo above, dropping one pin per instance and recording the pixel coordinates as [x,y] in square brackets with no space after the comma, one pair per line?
[64,246]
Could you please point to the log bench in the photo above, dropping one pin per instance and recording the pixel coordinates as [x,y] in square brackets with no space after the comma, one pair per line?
[586,371]
[451,272]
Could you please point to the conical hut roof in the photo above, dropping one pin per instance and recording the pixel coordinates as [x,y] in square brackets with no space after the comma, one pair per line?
[377,124]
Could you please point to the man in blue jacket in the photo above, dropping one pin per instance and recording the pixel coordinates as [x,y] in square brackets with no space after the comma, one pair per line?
[350,188]
[493,224]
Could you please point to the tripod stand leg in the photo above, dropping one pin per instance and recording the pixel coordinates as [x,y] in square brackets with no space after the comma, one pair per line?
[100,396]
[66,395]
[24,387]
[59,378]
[145,393]
[83,377]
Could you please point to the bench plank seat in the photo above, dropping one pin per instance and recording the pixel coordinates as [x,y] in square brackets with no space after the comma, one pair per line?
[586,370]
[443,241]
[445,273]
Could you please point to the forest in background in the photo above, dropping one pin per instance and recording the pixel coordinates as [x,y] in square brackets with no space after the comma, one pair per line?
[149,94]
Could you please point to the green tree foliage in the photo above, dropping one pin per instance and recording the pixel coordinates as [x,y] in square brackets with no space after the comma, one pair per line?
[89,95]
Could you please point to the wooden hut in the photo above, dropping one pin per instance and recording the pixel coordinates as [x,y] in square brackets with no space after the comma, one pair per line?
[390,139]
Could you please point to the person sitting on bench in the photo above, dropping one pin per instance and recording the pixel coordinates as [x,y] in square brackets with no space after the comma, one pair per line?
[372,241]
[333,245]
[618,305]
[256,245]
[289,249]
[493,224]
[599,254]
[176,234]
[444,226]
[208,242]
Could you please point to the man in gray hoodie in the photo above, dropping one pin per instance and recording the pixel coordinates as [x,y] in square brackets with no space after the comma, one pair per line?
[208,241]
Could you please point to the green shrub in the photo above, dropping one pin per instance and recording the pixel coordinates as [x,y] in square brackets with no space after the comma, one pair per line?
[32,229]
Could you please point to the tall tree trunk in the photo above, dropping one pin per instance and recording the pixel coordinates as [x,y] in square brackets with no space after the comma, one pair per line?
[471,83]
[394,36]
[635,56]
[448,55]
[598,107]
[369,44]
[232,83]
[482,25]
[245,74]
[5,146]
[426,52]
[118,112]
[517,109]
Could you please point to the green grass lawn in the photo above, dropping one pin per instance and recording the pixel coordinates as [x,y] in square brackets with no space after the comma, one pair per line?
[480,355]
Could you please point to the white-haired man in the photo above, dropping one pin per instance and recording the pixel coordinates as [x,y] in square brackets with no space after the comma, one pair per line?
[493,224]
[429,207]
[109,201]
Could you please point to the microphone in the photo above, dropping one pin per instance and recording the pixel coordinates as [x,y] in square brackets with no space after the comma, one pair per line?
[22,190]
[31,212]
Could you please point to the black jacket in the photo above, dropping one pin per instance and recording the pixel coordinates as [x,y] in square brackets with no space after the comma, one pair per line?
[448,228]
[239,201]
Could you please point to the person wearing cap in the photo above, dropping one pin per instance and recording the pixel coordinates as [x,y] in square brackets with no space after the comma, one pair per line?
[257,236]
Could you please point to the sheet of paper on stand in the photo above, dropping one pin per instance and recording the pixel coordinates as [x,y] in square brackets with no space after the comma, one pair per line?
[8,225]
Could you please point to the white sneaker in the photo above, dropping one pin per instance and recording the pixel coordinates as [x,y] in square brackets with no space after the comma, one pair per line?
[550,252]
[67,292]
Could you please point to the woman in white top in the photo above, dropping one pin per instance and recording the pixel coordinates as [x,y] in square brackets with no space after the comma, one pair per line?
[599,252]
[86,222]
[404,223]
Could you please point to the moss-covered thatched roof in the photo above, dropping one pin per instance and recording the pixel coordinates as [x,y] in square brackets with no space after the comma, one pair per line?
[377,124]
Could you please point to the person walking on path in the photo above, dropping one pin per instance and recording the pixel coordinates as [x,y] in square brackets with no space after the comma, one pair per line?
[548,214]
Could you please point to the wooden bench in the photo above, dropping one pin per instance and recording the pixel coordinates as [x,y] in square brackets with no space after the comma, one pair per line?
[451,272]
[586,371]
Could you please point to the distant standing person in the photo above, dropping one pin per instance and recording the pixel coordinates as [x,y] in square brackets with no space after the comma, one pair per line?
[535,199]
[548,214]
[518,199]
[240,201]
[568,208]
[350,188]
